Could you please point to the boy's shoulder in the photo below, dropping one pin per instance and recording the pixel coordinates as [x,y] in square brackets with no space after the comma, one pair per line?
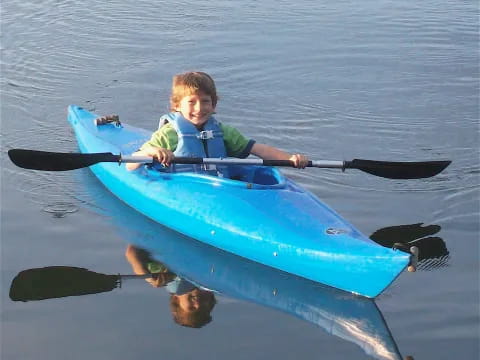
[166,127]
[166,132]
[228,129]
[225,127]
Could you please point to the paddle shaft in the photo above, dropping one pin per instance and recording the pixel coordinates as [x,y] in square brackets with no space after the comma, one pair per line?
[228,161]
[144,276]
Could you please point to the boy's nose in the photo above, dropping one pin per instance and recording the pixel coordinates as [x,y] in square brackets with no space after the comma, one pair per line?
[194,305]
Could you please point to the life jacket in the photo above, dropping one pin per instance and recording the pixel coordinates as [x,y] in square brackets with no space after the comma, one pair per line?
[194,143]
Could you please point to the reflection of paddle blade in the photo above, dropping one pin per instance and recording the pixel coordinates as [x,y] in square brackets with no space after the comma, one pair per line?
[430,248]
[403,233]
[59,281]
[433,252]
[432,264]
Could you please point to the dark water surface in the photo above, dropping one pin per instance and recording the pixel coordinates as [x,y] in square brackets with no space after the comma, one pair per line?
[377,80]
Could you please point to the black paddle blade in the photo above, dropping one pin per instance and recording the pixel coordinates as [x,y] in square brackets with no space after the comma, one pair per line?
[59,281]
[53,161]
[399,170]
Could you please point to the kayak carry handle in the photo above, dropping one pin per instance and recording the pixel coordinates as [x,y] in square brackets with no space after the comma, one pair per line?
[414,254]
[107,119]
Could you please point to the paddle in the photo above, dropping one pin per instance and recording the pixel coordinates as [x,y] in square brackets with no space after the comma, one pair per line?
[54,161]
[61,281]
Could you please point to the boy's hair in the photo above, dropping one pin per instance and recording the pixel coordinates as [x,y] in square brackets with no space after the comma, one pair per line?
[191,83]
[195,319]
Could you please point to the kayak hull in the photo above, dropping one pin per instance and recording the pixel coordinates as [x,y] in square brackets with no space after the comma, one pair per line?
[266,218]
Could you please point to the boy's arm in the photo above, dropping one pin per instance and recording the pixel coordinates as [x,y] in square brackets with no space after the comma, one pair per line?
[160,147]
[136,258]
[271,153]
[238,146]
[162,155]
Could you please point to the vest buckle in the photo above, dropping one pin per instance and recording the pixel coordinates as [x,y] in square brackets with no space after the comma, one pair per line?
[205,135]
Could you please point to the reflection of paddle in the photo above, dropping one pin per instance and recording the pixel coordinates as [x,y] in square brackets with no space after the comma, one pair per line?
[403,233]
[61,281]
[433,251]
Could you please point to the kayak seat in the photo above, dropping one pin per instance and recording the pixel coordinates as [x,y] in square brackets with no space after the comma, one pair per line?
[264,176]
[259,175]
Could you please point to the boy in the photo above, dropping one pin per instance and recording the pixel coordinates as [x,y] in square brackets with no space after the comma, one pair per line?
[191,130]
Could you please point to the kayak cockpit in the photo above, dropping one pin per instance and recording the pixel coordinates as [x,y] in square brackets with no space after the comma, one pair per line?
[260,175]
[251,176]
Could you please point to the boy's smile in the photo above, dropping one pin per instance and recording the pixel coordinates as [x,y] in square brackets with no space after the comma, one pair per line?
[196,108]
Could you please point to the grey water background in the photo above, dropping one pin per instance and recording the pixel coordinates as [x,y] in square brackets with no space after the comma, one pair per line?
[378,80]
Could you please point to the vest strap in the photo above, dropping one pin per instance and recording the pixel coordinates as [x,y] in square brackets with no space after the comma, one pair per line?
[204,135]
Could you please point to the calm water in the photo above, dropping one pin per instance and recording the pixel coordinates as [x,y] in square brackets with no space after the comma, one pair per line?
[379,80]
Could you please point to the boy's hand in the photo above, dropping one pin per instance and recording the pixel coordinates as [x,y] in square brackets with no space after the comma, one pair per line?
[163,156]
[160,279]
[299,161]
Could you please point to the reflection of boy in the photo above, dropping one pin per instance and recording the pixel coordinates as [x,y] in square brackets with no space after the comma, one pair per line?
[190,305]
[193,308]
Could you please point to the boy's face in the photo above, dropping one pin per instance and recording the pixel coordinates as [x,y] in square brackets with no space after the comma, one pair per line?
[196,108]
[195,300]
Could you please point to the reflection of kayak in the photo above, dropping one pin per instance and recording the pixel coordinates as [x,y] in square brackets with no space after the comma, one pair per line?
[352,318]
[264,217]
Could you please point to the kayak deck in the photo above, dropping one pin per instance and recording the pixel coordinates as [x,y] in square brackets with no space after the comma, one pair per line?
[260,214]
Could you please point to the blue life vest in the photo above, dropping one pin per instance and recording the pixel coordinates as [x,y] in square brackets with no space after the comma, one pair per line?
[194,143]
[179,286]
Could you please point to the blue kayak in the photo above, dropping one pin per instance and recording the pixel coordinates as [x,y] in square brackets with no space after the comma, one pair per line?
[261,215]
